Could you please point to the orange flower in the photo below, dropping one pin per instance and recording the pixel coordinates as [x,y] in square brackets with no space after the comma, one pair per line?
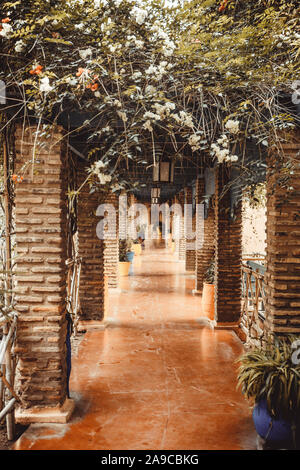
[6,20]
[37,70]
[80,72]
[223,5]
[94,87]
[17,178]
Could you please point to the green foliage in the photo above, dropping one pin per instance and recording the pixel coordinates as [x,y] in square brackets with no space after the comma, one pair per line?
[147,73]
[124,248]
[271,374]
[209,275]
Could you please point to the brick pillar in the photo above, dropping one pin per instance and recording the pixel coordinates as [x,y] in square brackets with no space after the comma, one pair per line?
[111,244]
[40,275]
[91,250]
[228,254]
[190,252]
[283,246]
[206,252]
[175,223]
[182,244]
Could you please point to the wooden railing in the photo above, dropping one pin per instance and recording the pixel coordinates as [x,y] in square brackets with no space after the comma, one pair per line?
[73,284]
[8,396]
[253,301]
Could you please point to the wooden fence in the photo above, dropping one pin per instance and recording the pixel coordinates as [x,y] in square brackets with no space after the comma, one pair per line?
[8,396]
[73,284]
[253,301]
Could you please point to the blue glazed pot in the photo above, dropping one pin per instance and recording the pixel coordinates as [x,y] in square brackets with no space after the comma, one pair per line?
[269,428]
[130,256]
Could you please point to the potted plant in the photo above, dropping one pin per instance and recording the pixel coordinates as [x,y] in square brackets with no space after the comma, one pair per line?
[270,377]
[208,294]
[137,247]
[125,256]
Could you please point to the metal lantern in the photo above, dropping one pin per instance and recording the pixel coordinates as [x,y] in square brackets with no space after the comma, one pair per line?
[155,192]
[163,172]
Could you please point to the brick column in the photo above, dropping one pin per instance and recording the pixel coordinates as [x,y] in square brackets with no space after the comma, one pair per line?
[91,250]
[182,244]
[40,275]
[190,254]
[283,246]
[206,252]
[228,254]
[111,244]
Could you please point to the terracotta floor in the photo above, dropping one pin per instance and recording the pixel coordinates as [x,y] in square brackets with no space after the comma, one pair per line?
[155,379]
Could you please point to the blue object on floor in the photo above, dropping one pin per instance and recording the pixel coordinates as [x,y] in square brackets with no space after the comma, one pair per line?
[269,428]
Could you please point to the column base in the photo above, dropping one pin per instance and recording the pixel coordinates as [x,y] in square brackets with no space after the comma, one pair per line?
[87,325]
[234,326]
[59,414]
[196,292]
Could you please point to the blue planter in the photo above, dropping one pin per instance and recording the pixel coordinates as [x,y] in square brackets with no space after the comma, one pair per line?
[271,429]
[130,256]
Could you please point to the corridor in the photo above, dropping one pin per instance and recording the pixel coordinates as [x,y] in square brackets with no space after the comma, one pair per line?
[154,378]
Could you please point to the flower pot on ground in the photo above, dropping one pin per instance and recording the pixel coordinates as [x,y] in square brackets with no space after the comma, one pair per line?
[130,256]
[125,256]
[124,267]
[271,378]
[137,248]
[173,246]
[208,293]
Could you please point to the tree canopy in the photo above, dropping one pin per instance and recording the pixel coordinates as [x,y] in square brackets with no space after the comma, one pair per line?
[206,78]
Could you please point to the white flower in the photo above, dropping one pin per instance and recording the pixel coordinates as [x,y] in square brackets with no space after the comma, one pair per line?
[234,158]
[136,75]
[6,30]
[232,126]
[150,115]
[122,115]
[103,178]
[147,125]
[97,166]
[20,45]
[45,86]
[194,142]
[139,44]
[139,14]
[85,53]
[150,90]
[186,119]
[71,81]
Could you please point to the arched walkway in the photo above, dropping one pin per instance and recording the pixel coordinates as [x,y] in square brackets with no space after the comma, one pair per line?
[154,378]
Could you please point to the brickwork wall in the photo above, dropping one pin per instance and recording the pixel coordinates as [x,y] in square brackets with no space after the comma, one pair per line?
[111,243]
[91,250]
[182,244]
[228,254]
[283,248]
[205,234]
[190,254]
[40,208]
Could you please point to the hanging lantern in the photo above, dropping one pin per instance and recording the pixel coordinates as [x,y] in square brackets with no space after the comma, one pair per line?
[163,172]
[155,192]
[155,195]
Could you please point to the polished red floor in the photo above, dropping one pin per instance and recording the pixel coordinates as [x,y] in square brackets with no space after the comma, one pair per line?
[155,378]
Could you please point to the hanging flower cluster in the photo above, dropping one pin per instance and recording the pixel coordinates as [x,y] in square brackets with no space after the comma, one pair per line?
[222,152]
